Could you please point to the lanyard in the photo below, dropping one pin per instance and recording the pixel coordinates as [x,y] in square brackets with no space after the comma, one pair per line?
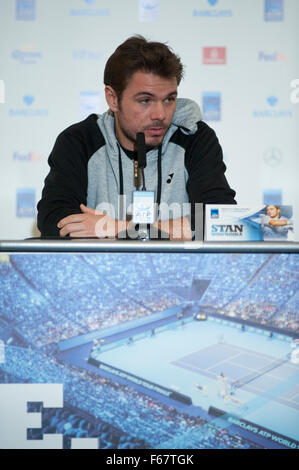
[121,180]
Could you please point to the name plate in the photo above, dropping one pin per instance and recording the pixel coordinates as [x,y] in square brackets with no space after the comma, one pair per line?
[238,223]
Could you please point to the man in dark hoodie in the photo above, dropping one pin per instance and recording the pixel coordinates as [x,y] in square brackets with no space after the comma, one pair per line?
[93,165]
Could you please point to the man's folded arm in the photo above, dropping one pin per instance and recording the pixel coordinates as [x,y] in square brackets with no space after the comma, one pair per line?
[65,186]
[207,182]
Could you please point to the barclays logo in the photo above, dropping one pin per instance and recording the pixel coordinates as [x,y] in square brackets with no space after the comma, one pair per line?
[213,12]
[28,100]
[272,101]
[89,12]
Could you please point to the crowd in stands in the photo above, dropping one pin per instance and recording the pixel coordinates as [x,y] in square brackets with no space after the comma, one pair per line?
[73,423]
[120,406]
[119,415]
[92,292]
[211,436]
[271,295]
[84,299]
[229,275]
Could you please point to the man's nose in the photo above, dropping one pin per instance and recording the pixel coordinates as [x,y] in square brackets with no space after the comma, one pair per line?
[158,111]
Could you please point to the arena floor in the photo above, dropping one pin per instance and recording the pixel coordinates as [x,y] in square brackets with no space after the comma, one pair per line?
[203,360]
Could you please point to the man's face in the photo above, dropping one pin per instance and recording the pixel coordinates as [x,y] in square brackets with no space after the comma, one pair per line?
[147,105]
[273,211]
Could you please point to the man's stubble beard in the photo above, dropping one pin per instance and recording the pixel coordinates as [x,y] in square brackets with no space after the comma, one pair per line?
[133,137]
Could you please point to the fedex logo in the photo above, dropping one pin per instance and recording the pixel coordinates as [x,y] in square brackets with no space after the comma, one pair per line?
[272,56]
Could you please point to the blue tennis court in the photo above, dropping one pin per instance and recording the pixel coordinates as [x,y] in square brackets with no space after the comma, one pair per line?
[239,372]
[244,369]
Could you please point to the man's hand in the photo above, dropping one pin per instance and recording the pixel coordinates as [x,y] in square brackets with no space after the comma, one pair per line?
[90,223]
[93,223]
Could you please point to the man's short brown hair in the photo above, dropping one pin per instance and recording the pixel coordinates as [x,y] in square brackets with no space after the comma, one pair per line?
[137,54]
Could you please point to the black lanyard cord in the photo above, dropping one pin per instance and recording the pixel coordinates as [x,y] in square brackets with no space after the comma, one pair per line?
[121,186]
[159,176]
[121,178]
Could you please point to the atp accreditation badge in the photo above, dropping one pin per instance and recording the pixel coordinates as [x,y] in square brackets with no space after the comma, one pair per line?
[143,207]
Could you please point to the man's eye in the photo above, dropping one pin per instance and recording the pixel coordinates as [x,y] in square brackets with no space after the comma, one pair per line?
[144,100]
[170,99]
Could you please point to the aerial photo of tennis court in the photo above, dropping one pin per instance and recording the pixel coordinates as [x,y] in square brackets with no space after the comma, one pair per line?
[157,350]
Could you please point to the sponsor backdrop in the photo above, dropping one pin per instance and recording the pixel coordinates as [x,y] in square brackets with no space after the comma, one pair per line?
[241,67]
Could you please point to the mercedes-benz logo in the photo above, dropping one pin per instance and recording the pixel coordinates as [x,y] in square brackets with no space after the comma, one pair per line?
[273,157]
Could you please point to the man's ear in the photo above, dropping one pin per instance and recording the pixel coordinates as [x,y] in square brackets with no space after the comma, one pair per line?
[111,98]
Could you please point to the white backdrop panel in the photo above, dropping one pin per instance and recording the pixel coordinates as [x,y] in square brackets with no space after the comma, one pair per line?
[52,57]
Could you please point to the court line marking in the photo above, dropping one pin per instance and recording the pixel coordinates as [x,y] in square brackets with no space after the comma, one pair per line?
[253,388]
[224,360]
[295,398]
